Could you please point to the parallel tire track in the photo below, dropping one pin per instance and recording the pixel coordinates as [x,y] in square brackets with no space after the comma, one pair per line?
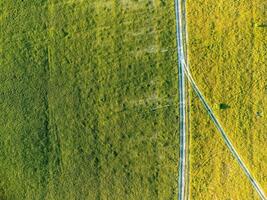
[184,71]
[182,101]
[224,135]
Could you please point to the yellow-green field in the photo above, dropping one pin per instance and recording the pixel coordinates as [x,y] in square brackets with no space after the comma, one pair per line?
[89,99]
[227,55]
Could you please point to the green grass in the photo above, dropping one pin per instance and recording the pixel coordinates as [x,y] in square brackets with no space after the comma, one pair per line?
[227,53]
[88,100]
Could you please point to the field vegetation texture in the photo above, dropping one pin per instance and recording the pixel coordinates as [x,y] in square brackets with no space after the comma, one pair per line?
[88,100]
[228,56]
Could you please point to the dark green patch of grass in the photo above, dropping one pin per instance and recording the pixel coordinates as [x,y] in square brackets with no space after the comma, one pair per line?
[78,122]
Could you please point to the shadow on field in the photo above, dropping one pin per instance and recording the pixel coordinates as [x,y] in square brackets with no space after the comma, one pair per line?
[262,26]
[2,194]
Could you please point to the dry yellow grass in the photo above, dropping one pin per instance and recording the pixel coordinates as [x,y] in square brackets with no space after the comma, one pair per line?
[227,53]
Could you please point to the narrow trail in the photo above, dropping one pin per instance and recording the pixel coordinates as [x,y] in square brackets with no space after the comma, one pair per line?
[224,135]
[184,71]
[182,101]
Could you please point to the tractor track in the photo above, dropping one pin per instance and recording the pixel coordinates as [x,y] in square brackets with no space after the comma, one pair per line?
[183,70]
